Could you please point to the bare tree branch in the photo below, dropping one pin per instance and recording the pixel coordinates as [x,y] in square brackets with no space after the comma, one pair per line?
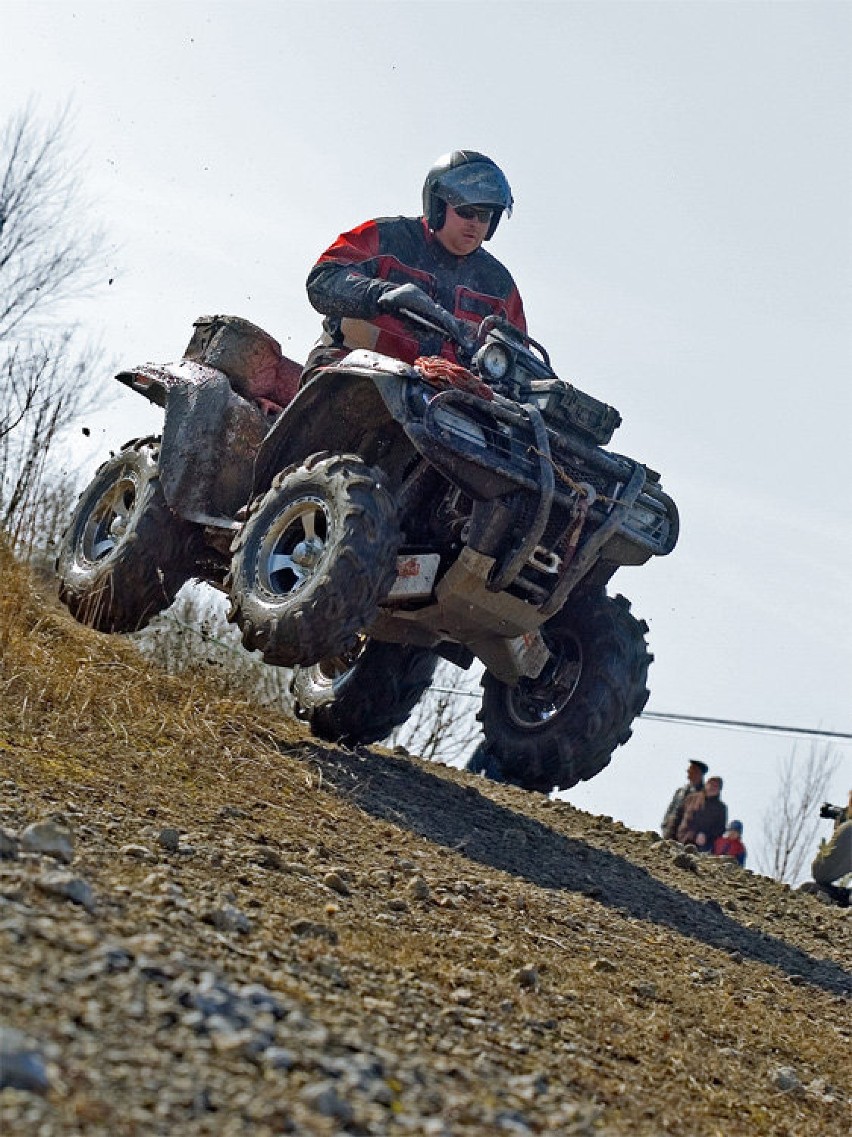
[791,823]
[48,251]
[443,726]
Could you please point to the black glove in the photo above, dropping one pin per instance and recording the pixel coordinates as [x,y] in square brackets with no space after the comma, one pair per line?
[412,299]
[402,298]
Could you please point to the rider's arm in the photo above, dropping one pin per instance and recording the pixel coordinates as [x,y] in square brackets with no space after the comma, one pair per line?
[345,281]
[515,309]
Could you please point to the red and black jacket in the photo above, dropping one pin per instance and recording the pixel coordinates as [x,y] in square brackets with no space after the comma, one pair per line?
[346,282]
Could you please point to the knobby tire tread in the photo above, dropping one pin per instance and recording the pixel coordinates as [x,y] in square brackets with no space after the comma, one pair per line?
[579,741]
[383,688]
[142,576]
[324,617]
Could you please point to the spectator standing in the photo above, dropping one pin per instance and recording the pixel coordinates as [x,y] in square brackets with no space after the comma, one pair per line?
[834,859]
[695,772]
[705,817]
[730,844]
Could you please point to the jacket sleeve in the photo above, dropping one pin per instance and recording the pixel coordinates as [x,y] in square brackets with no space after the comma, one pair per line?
[515,309]
[345,280]
[672,816]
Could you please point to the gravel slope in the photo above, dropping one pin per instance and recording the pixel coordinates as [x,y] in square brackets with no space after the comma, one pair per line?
[209,924]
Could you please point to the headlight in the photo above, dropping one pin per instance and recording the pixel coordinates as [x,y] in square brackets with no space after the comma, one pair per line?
[494,361]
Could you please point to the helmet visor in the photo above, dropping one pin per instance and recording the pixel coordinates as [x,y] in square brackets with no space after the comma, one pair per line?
[475,183]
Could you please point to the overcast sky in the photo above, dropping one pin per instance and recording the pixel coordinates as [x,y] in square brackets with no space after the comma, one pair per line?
[682,239]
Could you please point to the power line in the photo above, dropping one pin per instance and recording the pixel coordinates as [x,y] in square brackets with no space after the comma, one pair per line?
[700,720]
[736,724]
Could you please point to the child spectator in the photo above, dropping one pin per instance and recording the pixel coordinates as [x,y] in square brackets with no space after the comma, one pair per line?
[730,844]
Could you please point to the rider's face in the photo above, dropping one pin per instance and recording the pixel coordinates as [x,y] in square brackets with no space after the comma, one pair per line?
[462,236]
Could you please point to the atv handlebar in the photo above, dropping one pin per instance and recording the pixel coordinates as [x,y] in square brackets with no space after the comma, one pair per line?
[448,325]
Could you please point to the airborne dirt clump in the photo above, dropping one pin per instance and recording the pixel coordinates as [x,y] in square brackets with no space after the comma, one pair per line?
[221,927]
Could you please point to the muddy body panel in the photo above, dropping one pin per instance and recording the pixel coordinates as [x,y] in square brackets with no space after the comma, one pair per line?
[211,437]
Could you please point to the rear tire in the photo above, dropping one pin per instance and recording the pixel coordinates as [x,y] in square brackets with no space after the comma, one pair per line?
[361,697]
[314,560]
[123,557]
[563,727]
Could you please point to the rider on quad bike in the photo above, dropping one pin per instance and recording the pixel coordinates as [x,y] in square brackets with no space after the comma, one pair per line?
[439,494]
[372,272]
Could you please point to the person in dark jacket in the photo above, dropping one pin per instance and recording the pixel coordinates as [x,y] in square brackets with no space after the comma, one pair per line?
[673,816]
[370,275]
[705,817]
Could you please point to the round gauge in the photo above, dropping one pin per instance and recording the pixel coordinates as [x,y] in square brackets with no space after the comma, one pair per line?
[494,361]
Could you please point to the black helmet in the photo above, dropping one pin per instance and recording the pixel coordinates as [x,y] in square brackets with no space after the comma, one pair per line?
[465,177]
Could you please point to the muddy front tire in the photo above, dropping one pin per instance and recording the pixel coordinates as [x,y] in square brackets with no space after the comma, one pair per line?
[314,560]
[563,727]
[123,555]
[362,696]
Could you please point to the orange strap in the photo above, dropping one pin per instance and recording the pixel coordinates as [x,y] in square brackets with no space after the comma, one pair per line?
[444,373]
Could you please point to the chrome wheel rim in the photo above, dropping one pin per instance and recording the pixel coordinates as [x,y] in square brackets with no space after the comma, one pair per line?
[293,547]
[533,703]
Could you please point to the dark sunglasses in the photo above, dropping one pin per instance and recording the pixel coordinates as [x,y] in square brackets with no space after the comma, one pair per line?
[482,213]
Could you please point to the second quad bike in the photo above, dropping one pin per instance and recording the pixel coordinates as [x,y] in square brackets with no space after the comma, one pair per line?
[384,516]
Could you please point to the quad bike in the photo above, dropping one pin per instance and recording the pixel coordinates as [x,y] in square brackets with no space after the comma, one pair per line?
[390,516]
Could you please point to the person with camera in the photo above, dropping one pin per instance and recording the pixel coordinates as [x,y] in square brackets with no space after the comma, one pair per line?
[834,859]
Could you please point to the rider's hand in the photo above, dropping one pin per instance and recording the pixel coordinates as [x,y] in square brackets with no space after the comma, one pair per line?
[402,298]
[409,298]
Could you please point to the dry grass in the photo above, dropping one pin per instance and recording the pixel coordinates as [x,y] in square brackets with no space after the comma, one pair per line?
[641,1004]
[88,707]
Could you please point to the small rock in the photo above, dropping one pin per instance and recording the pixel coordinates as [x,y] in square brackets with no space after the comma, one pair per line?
[526,977]
[8,846]
[418,889]
[50,839]
[232,811]
[169,839]
[69,887]
[462,995]
[138,852]
[686,861]
[604,965]
[279,1058]
[228,919]
[324,1099]
[787,1080]
[821,1089]
[645,990]
[336,883]
[22,1066]
[267,858]
[312,929]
